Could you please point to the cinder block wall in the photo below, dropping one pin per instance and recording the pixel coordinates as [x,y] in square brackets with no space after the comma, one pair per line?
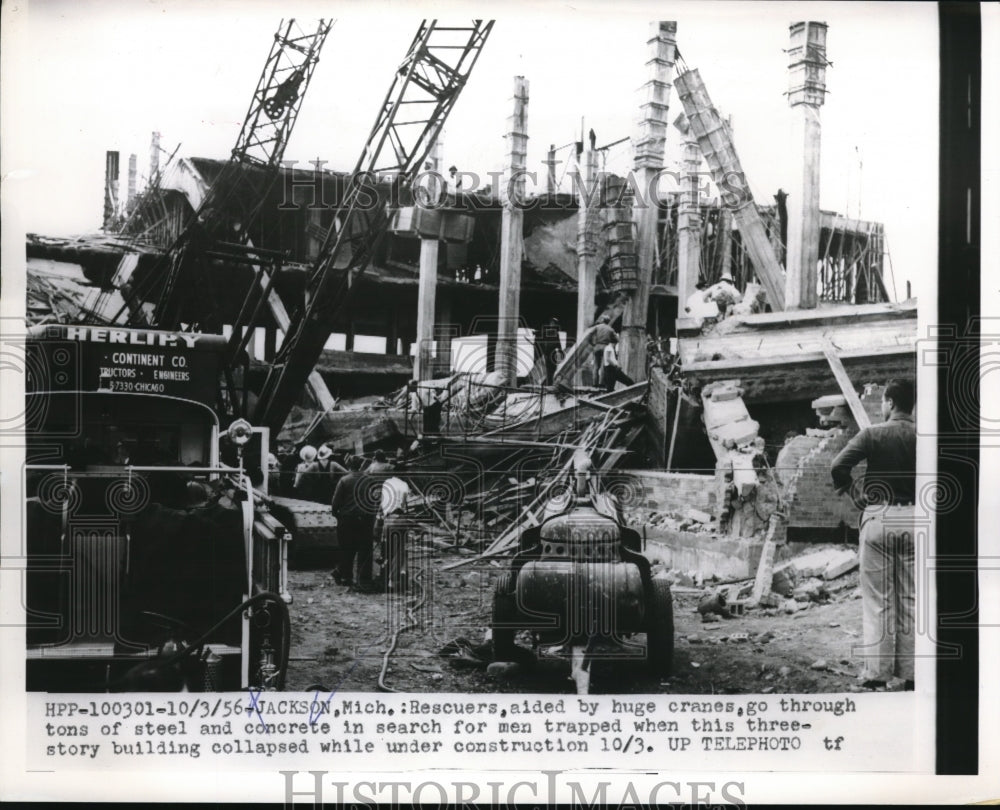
[652,490]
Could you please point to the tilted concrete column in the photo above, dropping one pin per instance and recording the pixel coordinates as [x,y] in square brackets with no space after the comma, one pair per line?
[806,89]
[649,151]
[716,144]
[512,234]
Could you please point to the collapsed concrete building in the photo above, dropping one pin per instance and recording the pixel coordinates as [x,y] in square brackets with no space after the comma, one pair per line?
[720,448]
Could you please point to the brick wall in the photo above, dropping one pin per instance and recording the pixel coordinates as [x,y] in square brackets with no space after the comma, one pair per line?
[809,492]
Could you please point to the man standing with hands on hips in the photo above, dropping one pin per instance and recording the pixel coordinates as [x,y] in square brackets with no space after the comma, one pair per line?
[887,535]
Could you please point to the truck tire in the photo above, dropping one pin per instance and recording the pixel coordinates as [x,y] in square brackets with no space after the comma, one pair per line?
[660,630]
[504,612]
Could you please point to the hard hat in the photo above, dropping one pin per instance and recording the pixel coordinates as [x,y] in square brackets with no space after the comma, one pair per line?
[307,453]
[324,452]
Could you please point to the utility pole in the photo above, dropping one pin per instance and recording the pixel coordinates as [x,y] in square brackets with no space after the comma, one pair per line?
[806,90]
[512,234]
[649,150]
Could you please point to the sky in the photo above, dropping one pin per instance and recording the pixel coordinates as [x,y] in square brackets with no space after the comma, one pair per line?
[83,78]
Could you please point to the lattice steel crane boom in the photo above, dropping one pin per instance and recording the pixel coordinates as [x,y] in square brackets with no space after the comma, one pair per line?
[423,92]
[230,208]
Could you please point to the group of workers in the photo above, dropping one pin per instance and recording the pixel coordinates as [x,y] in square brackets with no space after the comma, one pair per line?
[370,503]
[607,370]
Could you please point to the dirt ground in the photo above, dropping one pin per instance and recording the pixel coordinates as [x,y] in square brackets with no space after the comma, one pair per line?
[340,638]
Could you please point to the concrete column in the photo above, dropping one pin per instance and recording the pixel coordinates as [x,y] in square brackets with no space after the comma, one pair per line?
[511,194]
[719,151]
[649,150]
[154,155]
[111,171]
[132,172]
[806,89]
[423,363]
[550,170]
[444,332]
[586,172]
[688,218]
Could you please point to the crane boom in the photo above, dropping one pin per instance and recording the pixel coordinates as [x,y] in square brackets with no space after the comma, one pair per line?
[230,208]
[424,89]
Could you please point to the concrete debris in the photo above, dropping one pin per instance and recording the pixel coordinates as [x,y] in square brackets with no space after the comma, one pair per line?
[827,564]
[693,639]
[812,590]
[818,665]
[698,515]
[502,670]
[714,603]
[846,560]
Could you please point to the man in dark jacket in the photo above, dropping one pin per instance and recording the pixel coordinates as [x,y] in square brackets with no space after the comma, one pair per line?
[887,535]
[354,505]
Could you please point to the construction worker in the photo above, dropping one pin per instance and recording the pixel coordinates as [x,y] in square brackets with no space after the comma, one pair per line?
[611,370]
[549,346]
[325,474]
[307,456]
[379,464]
[602,336]
[394,504]
[352,506]
[887,535]
[724,294]
[697,306]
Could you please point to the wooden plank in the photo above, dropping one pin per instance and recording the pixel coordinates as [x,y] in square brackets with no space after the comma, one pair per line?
[853,400]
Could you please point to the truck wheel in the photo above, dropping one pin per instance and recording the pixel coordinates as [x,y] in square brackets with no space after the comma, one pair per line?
[660,630]
[504,612]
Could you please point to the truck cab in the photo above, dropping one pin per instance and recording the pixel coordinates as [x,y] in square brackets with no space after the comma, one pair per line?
[153,565]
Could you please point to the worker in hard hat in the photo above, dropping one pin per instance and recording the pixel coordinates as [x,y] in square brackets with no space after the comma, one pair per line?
[307,456]
[724,294]
[325,474]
